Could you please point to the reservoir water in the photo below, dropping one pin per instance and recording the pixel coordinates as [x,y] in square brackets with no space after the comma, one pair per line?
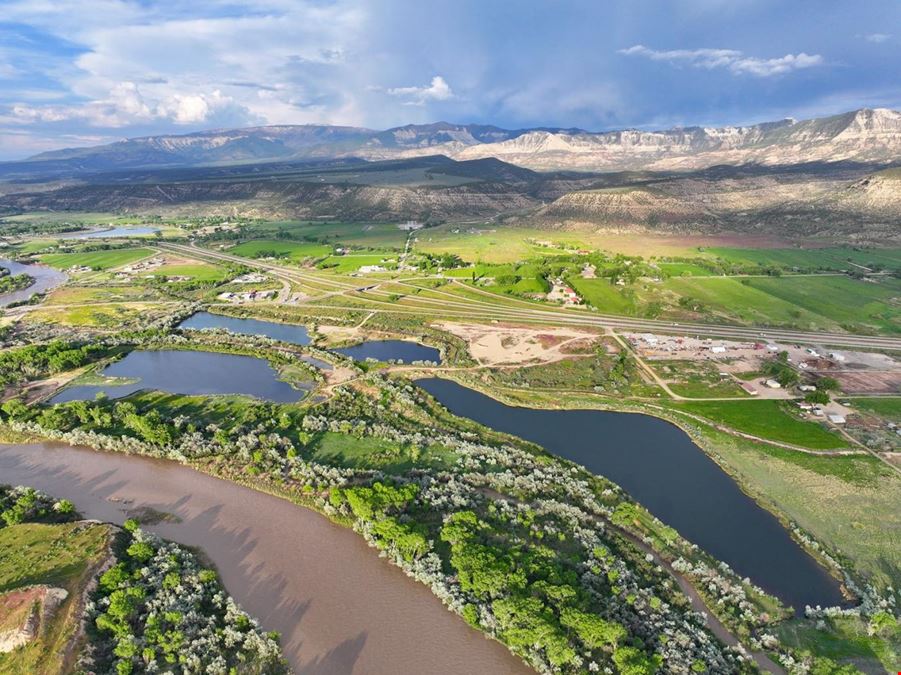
[190,373]
[44,277]
[113,232]
[393,350]
[285,332]
[339,608]
[663,469]
[381,350]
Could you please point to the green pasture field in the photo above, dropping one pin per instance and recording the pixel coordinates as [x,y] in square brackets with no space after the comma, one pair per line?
[766,419]
[351,262]
[682,269]
[813,258]
[293,250]
[377,235]
[886,407]
[605,296]
[852,303]
[99,260]
[78,217]
[492,244]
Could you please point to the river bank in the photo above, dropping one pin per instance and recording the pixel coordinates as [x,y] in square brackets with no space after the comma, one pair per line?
[338,607]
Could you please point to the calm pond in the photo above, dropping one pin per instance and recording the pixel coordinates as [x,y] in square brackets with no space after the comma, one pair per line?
[190,373]
[112,232]
[285,332]
[660,466]
[45,278]
[381,350]
[338,606]
[391,350]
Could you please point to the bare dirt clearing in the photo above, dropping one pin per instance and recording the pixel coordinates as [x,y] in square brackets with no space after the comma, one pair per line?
[502,344]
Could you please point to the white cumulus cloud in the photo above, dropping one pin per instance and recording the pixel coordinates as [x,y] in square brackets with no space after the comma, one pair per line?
[437,90]
[731,59]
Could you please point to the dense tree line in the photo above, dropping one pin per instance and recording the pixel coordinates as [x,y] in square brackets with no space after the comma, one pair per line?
[36,361]
[13,282]
[158,610]
[25,505]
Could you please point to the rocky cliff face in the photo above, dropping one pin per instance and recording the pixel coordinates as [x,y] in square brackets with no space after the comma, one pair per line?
[860,136]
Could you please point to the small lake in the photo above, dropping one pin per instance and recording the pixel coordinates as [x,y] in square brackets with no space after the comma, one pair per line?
[45,278]
[284,332]
[189,373]
[339,607]
[662,468]
[113,232]
[391,350]
[381,350]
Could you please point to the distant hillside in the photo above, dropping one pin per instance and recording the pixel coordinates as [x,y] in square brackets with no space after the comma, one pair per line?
[860,136]
[863,136]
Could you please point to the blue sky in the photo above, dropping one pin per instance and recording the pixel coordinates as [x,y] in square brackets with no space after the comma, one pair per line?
[81,72]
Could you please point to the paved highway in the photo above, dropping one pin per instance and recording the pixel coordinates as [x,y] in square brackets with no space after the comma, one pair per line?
[445,304]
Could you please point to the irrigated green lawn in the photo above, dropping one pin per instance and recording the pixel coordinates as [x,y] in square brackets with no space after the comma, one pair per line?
[765,419]
[98,260]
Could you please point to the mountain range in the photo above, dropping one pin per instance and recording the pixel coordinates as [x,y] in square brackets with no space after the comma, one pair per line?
[861,136]
[830,179]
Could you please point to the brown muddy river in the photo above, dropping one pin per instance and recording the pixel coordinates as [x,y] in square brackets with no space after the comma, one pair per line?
[338,606]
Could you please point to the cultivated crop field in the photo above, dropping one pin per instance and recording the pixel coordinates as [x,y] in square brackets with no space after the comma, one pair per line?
[291,250]
[97,260]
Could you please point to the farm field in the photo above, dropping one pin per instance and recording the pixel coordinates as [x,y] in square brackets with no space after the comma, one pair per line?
[605,296]
[291,250]
[97,260]
[765,419]
[818,302]
[887,407]
[377,235]
[351,262]
[813,258]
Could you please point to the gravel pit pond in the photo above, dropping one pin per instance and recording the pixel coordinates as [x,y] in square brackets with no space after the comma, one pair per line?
[188,372]
[113,232]
[339,607]
[663,469]
[404,351]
